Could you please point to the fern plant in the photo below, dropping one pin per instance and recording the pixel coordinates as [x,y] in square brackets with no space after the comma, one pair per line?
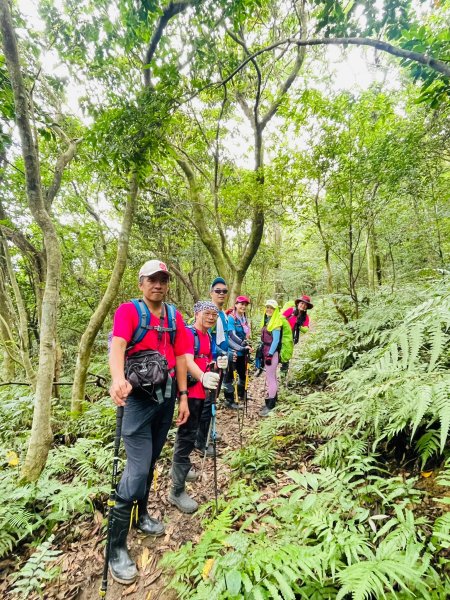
[37,572]
[253,462]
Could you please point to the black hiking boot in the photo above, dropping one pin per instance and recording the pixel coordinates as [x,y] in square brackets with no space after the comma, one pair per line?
[147,524]
[121,566]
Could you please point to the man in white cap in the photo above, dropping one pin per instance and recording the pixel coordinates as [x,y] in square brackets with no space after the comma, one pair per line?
[147,329]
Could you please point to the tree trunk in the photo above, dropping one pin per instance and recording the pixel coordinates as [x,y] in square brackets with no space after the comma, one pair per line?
[56,390]
[8,363]
[199,220]
[374,273]
[330,286]
[326,245]
[41,433]
[278,283]
[97,319]
[22,324]
[370,265]
[351,268]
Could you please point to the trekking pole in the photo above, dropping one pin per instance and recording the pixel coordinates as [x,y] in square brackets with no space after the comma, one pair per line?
[112,498]
[214,439]
[214,395]
[247,365]
[236,399]
[212,434]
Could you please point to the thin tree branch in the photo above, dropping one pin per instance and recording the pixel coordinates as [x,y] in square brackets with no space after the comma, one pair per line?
[187,282]
[62,162]
[169,11]
[241,42]
[423,59]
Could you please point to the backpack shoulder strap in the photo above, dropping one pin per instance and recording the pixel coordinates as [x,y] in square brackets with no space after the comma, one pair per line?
[171,321]
[196,340]
[224,321]
[143,321]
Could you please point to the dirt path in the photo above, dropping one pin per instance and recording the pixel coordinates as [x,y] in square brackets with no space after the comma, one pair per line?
[82,561]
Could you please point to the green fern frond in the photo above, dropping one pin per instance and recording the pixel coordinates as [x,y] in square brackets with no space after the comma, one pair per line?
[423,397]
[428,445]
[438,341]
[376,577]
[415,342]
[36,572]
[441,532]
[442,406]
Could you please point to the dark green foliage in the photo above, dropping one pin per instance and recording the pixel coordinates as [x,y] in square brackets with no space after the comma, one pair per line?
[253,462]
[127,134]
[347,527]
[340,18]
[36,573]
[76,474]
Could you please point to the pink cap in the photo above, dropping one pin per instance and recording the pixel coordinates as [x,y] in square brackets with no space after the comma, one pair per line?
[242,299]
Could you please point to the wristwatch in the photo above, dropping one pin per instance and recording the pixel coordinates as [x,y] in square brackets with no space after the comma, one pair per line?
[183,393]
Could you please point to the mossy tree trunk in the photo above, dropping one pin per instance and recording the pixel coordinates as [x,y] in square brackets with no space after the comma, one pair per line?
[98,318]
[39,203]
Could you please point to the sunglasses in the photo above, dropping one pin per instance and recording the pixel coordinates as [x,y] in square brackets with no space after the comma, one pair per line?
[218,291]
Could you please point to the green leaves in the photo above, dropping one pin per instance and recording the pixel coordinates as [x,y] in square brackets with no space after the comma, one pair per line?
[36,572]
[234,580]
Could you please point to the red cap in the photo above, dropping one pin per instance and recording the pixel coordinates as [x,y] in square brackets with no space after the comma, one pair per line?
[306,299]
[242,299]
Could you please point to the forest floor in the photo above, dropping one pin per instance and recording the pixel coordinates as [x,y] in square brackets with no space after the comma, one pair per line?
[81,562]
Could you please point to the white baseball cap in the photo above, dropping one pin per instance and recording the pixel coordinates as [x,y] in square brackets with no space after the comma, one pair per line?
[272,303]
[153,266]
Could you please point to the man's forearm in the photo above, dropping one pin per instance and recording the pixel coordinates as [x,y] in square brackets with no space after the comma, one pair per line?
[192,368]
[181,372]
[117,360]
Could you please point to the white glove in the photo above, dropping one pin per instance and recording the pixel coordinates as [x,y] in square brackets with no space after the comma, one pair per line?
[210,380]
[222,362]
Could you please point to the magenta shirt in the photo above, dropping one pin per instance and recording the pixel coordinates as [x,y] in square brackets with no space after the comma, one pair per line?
[289,314]
[126,320]
[197,390]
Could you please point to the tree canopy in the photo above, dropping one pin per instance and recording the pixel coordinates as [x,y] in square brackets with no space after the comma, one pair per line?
[225,137]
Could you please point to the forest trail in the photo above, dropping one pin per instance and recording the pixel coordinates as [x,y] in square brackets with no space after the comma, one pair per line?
[82,559]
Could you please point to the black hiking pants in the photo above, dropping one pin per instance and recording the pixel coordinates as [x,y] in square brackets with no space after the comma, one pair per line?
[144,431]
[187,433]
[239,367]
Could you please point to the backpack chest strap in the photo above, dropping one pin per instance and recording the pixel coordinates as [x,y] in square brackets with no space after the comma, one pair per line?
[159,328]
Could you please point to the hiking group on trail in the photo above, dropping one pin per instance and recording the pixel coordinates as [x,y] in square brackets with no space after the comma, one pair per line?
[155,358]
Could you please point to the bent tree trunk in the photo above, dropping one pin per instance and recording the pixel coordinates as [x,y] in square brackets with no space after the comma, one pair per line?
[41,433]
[97,319]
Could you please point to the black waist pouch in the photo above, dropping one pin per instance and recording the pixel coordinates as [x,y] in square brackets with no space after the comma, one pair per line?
[148,373]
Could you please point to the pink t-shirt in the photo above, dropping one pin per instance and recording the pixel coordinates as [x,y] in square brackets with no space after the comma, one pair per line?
[289,314]
[197,390]
[126,321]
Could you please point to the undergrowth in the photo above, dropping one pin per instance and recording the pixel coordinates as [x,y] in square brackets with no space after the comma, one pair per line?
[76,474]
[347,514]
